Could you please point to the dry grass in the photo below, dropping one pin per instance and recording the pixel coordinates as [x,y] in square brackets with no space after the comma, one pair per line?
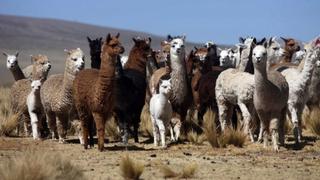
[38,165]
[112,130]
[229,137]
[188,171]
[146,124]
[195,138]
[313,122]
[8,120]
[130,169]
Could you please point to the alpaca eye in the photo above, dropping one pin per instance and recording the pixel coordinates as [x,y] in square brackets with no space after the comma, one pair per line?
[182,46]
[275,48]
[74,59]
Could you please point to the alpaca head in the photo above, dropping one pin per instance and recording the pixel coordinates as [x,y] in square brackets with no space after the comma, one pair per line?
[95,46]
[201,53]
[112,46]
[274,48]
[142,47]
[299,55]
[291,45]
[35,85]
[75,60]
[165,87]
[41,67]
[249,41]
[12,61]
[177,46]
[226,57]
[165,49]
[259,57]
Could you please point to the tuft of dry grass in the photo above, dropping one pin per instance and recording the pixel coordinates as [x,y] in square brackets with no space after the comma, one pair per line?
[8,120]
[130,169]
[229,137]
[188,171]
[232,137]
[112,129]
[168,172]
[38,165]
[313,122]
[146,124]
[195,138]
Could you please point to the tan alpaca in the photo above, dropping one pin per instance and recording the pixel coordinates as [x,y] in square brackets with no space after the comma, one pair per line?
[21,88]
[56,94]
[93,92]
[270,97]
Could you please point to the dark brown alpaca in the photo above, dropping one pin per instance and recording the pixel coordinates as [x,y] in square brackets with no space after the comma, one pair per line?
[131,88]
[93,92]
[95,51]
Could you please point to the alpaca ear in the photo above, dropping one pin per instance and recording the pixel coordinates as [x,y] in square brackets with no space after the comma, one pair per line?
[108,38]
[284,39]
[196,48]
[118,35]
[149,40]
[254,40]
[5,54]
[184,37]
[160,81]
[134,40]
[219,49]
[163,43]
[100,39]
[32,59]
[169,38]
[17,53]
[67,51]
[89,40]
[261,42]
[241,40]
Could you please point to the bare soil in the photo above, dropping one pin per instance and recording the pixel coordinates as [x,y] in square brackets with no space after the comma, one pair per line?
[250,162]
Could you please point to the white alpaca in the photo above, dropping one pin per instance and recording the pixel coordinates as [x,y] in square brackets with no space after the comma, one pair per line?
[274,51]
[227,58]
[298,83]
[34,107]
[161,112]
[123,60]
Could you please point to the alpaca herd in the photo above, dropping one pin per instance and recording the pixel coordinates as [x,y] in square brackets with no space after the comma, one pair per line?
[263,81]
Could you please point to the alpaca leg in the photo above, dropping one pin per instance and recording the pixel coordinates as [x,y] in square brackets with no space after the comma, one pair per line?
[201,111]
[274,128]
[162,131]
[155,134]
[51,118]
[176,129]
[171,133]
[247,120]
[260,137]
[223,111]
[34,125]
[282,121]
[62,122]
[299,112]
[26,124]
[136,128]
[100,123]
[295,121]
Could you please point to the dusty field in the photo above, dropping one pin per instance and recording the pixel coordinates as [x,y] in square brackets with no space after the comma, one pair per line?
[250,162]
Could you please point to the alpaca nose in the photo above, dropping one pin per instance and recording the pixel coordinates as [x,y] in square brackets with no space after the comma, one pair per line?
[258,59]
[49,66]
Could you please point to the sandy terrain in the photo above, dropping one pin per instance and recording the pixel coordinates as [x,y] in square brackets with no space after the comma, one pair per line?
[250,162]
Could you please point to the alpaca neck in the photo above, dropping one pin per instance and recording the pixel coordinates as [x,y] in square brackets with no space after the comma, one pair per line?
[95,61]
[306,74]
[67,84]
[260,78]
[178,78]
[17,73]
[106,75]
[287,56]
[137,63]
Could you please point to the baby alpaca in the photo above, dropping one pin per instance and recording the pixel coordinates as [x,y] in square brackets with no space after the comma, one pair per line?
[161,112]
[34,107]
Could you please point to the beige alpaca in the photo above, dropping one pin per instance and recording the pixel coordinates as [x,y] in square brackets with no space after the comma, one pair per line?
[21,88]
[270,98]
[56,95]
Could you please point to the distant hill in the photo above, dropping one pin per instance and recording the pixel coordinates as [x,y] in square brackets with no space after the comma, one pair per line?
[51,37]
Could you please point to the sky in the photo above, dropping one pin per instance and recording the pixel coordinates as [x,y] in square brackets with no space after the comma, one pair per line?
[221,21]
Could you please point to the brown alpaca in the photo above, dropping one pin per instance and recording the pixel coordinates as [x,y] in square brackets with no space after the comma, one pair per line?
[291,46]
[93,92]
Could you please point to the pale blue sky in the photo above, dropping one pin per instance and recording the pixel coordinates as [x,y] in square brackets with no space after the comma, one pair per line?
[201,20]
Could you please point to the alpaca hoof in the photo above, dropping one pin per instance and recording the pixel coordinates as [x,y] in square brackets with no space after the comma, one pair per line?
[276,148]
[164,147]
[101,149]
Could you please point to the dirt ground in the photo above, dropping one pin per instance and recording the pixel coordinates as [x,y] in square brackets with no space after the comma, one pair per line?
[250,162]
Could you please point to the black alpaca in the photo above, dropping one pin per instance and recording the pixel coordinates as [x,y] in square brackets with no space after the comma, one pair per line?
[95,51]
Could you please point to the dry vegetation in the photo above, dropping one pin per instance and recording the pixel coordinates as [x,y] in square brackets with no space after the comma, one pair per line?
[187,172]
[37,165]
[8,120]
[312,121]
[130,169]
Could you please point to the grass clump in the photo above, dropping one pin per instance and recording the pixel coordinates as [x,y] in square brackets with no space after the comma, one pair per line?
[130,169]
